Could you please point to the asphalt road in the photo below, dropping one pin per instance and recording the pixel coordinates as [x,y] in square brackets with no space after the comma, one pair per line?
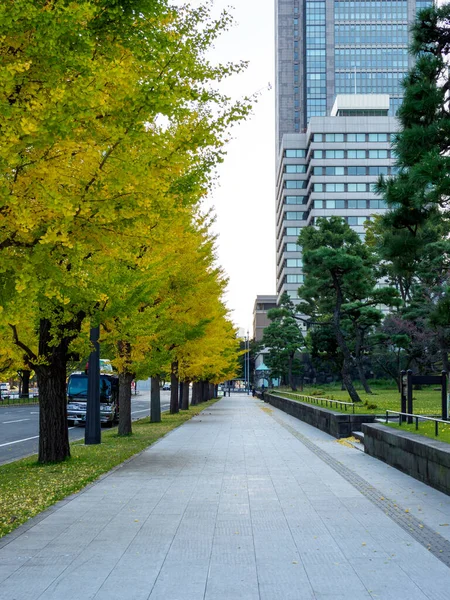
[19,426]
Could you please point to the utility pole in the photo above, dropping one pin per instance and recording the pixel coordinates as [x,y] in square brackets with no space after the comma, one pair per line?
[93,431]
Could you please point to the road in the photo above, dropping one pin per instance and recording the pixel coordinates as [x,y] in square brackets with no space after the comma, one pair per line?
[19,426]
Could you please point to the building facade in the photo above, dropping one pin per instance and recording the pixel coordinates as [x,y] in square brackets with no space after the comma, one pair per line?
[330,47]
[262,305]
[339,66]
[330,170]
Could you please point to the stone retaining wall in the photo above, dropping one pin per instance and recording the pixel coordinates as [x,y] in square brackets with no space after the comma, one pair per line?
[335,423]
[423,458]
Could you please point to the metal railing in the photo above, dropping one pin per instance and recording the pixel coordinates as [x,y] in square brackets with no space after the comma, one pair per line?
[316,400]
[412,417]
[14,398]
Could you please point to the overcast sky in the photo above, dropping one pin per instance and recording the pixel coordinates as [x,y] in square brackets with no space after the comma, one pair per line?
[244,201]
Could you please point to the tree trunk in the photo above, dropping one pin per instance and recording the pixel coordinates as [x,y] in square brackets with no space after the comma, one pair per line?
[25,383]
[291,376]
[180,396]
[51,377]
[195,389]
[174,407]
[155,400]
[443,350]
[347,358]
[359,360]
[393,374]
[362,377]
[53,433]
[204,391]
[185,397]
[125,380]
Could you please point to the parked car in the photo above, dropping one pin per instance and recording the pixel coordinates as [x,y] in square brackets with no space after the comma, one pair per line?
[77,399]
[166,386]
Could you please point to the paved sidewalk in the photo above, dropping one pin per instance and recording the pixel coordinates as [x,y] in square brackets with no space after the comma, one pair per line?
[242,502]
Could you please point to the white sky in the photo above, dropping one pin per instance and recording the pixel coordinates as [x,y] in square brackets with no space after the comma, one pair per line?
[244,200]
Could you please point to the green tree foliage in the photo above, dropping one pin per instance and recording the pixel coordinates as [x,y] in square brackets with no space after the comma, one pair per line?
[111,127]
[283,339]
[412,238]
[340,288]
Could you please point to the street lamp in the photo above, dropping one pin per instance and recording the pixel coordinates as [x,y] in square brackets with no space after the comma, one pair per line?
[248,363]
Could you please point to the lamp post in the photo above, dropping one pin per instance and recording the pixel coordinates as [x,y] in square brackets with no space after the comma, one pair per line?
[248,363]
[93,432]
[245,362]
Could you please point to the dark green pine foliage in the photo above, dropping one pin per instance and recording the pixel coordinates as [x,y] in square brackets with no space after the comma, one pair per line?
[340,290]
[283,339]
[413,237]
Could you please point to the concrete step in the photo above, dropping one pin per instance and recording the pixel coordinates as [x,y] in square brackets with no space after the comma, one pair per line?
[358,435]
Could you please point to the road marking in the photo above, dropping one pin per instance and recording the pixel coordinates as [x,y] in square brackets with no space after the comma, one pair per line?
[18,421]
[18,441]
[24,440]
[136,411]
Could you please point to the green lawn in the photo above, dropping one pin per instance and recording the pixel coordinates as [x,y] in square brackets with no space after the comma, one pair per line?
[426,429]
[27,488]
[385,397]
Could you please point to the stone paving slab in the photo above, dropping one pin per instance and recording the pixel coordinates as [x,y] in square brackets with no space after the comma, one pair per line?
[244,502]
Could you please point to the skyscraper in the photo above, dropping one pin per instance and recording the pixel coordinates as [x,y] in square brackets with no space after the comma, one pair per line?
[339,66]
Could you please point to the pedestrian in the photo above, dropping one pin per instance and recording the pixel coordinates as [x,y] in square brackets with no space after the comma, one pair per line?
[253,391]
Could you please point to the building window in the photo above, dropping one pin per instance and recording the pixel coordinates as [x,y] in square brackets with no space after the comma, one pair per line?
[334,154]
[357,203]
[356,170]
[378,137]
[334,137]
[377,204]
[295,200]
[295,168]
[294,262]
[335,187]
[356,137]
[378,170]
[295,153]
[318,187]
[294,216]
[294,278]
[292,247]
[295,184]
[356,153]
[357,220]
[378,154]
[293,231]
[357,187]
[334,170]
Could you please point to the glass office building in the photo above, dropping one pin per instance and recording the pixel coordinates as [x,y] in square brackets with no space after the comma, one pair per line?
[330,47]
[339,66]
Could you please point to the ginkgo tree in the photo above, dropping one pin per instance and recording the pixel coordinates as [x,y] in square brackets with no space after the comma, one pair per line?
[110,125]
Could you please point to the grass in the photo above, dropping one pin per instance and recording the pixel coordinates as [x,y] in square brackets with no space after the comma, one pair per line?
[426,429]
[385,397]
[7,401]
[27,487]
